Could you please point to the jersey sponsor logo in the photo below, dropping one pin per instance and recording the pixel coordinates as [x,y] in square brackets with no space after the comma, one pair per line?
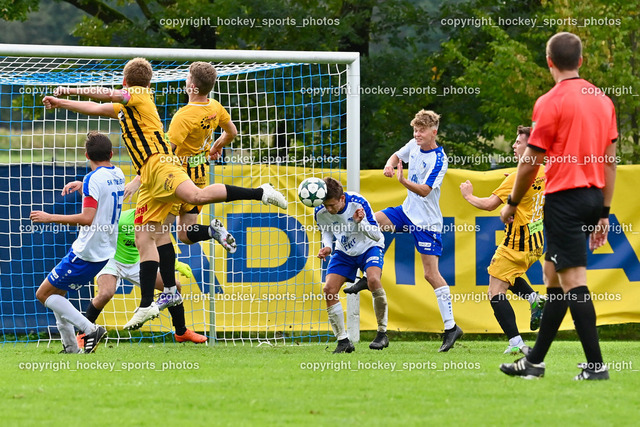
[206,124]
[424,244]
[375,259]
[140,213]
[74,286]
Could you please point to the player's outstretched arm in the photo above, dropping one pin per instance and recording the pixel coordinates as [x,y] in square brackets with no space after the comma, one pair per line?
[83,218]
[83,107]
[96,93]
[484,203]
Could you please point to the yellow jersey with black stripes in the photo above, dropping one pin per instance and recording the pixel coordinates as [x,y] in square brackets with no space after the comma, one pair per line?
[191,130]
[142,130]
[525,233]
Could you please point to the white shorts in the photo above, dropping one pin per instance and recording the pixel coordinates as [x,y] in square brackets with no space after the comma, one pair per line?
[130,272]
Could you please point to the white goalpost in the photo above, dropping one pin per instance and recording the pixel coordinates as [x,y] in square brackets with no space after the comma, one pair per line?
[297,115]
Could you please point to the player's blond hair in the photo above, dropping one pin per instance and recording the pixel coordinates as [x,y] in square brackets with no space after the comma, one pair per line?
[138,72]
[203,76]
[426,119]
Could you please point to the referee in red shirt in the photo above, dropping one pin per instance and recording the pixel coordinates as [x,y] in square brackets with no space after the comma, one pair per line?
[574,133]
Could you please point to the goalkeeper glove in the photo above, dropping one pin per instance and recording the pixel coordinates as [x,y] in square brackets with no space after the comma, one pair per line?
[184,269]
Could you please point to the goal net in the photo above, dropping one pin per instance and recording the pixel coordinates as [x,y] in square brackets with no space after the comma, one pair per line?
[297,117]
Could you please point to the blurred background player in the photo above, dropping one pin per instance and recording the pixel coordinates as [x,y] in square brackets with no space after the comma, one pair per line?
[569,122]
[103,189]
[521,247]
[358,245]
[190,135]
[420,212]
[163,181]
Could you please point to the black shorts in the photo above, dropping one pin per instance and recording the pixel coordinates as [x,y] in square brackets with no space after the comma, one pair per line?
[568,215]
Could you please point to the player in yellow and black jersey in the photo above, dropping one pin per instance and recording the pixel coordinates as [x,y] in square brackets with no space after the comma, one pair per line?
[163,180]
[521,247]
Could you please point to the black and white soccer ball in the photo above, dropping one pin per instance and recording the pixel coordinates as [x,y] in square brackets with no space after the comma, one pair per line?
[312,192]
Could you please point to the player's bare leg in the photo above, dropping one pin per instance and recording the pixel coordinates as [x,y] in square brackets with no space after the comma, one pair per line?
[380,308]
[67,316]
[336,313]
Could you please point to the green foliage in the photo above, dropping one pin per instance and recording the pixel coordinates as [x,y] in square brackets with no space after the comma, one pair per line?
[482,77]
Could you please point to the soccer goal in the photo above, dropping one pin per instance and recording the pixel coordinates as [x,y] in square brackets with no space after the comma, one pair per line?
[297,115]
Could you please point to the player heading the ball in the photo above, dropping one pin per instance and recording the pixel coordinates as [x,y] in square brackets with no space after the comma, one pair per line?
[359,244]
[420,212]
[102,190]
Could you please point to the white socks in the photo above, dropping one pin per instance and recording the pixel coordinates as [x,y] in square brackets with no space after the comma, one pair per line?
[67,335]
[380,308]
[68,313]
[336,319]
[532,297]
[516,341]
[172,290]
[443,295]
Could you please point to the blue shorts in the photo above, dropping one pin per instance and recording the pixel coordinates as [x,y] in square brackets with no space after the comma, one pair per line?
[427,242]
[72,272]
[347,266]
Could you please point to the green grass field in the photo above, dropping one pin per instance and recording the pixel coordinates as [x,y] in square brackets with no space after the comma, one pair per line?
[148,384]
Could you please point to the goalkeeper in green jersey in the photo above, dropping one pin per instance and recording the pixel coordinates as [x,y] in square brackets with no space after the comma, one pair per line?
[126,265]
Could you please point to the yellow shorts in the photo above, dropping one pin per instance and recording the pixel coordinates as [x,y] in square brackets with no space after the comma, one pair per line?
[160,176]
[508,264]
[183,207]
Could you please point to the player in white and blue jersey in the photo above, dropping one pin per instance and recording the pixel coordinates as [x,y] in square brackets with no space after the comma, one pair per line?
[359,244]
[420,213]
[102,191]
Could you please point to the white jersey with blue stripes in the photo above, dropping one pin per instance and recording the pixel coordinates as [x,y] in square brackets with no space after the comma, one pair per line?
[425,167]
[97,242]
[352,239]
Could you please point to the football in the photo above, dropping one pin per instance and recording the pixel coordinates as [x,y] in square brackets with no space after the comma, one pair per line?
[312,192]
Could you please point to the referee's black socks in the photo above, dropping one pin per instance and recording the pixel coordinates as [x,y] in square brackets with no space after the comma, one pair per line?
[554,311]
[584,319]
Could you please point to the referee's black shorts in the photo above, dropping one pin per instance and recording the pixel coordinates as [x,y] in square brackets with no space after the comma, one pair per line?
[569,218]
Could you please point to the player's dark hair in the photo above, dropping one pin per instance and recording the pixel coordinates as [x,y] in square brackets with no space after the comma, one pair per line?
[203,76]
[138,72]
[98,147]
[334,188]
[524,130]
[565,50]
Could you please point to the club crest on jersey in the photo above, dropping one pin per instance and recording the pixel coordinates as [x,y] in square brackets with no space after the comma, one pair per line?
[168,182]
[537,184]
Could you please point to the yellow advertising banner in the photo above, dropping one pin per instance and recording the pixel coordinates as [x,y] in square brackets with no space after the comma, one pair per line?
[273,284]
